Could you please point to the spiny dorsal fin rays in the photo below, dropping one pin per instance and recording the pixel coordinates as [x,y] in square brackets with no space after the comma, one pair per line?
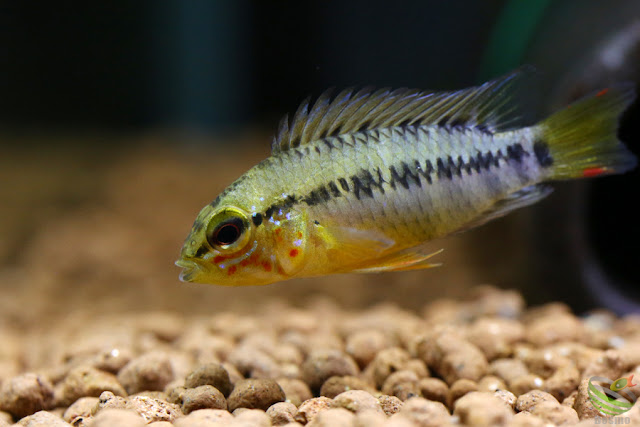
[489,105]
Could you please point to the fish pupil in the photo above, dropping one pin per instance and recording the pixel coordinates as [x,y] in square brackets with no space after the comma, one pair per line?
[228,232]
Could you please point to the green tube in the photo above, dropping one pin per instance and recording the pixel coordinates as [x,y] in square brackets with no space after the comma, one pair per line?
[511,36]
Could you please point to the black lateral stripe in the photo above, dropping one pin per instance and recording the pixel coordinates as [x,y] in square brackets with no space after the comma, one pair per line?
[344,184]
[541,150]
[335,192]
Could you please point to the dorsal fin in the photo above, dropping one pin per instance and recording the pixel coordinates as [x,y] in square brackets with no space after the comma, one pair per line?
[489,105]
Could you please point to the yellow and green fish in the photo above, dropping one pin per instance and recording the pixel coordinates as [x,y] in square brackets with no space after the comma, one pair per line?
[360,182]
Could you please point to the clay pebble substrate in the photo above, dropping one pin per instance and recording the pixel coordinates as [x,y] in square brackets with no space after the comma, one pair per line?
[483,361]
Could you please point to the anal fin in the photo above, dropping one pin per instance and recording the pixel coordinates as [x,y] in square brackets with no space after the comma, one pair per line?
[518,199]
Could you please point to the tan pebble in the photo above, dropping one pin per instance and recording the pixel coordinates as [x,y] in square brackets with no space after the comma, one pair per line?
[370,419]
[491,383]
[175,393]
[386,362]
[452,357]
[526,419]
[108,400]
[434,389]
[151,371]
[334,417]
[296,391]
[336,385]
[253,362]
[364,345]
[81,408]
[117,417]
[526,383]
[479,408]
[153,409]
[252,418]
[255,394]
[112,359]
[563,382]
[160,424]
[555,413]
[202,397]
[425,413]
[609,364]
[571,399]
[507,397]
[87,381]
[491,301]
[459,389]
[555,328]
[402,384]
[495,336]
[212,374]
[282,413]
[5,418]
[582,404]
[324,364]
[532,398]
[26,394]
[287,354]
[418,366]
[508,369]
[400,420]
[632,416]
[390,404]
[234,374]
[357,401]
[205,418]
[310,408]
[42,419]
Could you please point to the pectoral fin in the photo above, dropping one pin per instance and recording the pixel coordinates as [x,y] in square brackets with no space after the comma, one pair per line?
[402,261]
[348,245]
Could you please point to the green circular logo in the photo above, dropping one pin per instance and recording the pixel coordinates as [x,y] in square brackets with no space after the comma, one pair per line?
[611,397]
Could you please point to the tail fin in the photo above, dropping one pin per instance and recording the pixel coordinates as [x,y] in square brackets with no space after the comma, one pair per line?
[580,141]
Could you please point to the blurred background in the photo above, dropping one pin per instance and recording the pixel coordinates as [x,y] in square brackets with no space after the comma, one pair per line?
[119,120]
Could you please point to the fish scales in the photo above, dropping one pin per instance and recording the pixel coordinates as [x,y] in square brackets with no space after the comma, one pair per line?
[361,182]
[389,192]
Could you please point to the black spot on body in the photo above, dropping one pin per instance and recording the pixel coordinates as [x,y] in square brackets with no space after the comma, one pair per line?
[344,184]
[269,212]
[515,152]
[364,126]
[201,251]
[334,189]
[541,150]
[336,131]
[257,219]
[443,170]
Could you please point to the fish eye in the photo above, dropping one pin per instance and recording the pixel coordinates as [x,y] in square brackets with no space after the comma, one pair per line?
[228,230]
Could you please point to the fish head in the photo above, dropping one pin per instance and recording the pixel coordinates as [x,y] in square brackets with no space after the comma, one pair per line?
[231,246]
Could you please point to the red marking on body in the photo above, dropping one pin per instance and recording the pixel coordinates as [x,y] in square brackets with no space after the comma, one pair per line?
[299,234]
[278,231]
[232,270]
[602,92]
[266,266]
[244,262]
[591,172]
[219,259]
[293,253]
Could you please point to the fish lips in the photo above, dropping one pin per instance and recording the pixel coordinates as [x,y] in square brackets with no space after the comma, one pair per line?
[190,269]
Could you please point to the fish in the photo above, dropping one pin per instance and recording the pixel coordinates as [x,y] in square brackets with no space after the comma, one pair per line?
[622,383]
[363,180]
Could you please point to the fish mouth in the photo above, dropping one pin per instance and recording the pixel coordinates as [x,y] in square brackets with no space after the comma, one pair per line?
[190,269]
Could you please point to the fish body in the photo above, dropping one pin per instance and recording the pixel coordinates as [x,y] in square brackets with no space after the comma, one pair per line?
[622,383]
[361,182]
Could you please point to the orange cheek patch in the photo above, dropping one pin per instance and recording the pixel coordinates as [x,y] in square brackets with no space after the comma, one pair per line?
[218,259]
[266,266]
[232,270]
[293,253]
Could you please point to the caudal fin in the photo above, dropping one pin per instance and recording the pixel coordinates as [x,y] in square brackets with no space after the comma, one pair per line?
[580,141]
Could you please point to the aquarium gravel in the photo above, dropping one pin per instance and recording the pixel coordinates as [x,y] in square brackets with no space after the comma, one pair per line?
[483,361]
